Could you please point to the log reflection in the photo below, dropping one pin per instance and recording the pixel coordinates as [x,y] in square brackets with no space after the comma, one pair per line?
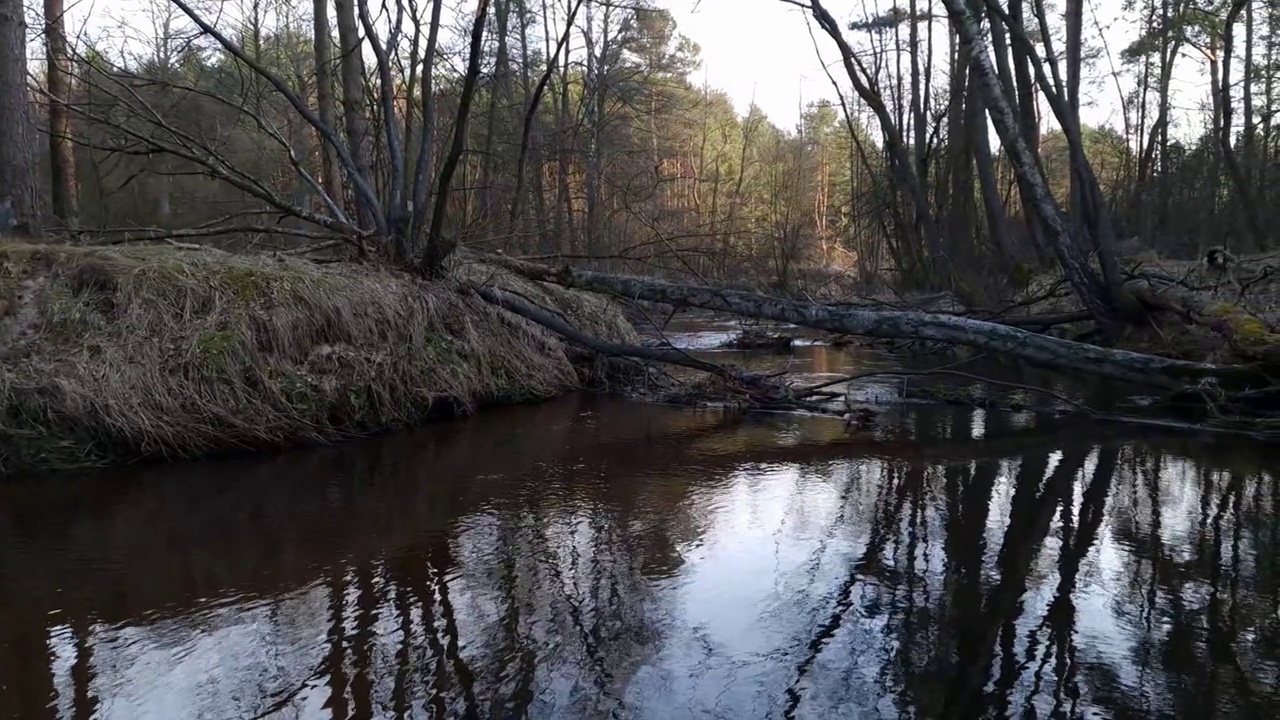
[563,561]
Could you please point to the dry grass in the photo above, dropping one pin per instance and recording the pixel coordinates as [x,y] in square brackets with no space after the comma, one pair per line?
[115,355]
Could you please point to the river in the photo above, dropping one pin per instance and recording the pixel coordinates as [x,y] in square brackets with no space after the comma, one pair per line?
[599,558]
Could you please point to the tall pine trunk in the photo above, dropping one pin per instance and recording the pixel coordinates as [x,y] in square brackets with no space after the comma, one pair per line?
[325,102]
[62,153]
[17,160]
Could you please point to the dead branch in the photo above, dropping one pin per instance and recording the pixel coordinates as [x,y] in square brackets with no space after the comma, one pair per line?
[940,372]
[157,234]
[672,356]
[186,146]
[360,183]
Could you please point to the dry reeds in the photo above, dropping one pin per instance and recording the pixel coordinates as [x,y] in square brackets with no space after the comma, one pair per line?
[114,355]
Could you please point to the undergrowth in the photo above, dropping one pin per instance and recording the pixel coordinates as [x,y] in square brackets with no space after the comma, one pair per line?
[1195,313]
[111,355]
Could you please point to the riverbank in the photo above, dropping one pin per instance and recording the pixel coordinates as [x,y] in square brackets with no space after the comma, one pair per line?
[115,355]
[1196,313]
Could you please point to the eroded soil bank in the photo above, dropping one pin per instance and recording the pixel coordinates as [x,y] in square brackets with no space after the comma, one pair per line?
[113,355]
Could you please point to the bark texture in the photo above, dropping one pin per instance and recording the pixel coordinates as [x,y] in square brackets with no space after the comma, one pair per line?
[61,149]
[17,157]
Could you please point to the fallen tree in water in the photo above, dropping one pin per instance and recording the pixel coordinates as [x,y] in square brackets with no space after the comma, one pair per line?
[759,340]
[1008,340]
[1230,392]
[759,389]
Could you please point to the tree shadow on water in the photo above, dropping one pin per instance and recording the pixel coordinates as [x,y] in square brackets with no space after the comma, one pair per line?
[1057,594]
[580,565]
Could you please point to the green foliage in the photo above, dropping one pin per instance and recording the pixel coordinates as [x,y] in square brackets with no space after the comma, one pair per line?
[1108,153]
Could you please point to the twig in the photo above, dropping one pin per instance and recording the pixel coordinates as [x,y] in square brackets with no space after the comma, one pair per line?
[998,315]
[314,248]
[158,234]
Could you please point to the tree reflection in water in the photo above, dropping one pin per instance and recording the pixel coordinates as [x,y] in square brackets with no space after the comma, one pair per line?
[591,559]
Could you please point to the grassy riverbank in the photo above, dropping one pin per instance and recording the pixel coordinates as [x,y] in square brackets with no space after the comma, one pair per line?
[124,354]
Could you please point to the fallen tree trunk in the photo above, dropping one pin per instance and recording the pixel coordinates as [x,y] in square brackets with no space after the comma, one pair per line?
[760,388]
[1049,352]
[671,356]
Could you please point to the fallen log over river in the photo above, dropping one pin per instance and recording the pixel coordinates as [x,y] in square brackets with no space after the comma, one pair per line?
[1225,389]
[1042,350]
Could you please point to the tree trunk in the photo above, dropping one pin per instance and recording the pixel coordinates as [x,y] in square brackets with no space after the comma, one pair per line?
[908,184]
[439,248]
[1246,90]
[17,160]
[532,102]
[1084,281]
[62,154]
[992,204]
[1212,221]
[351,66]
[595,101]
[1029,125]
[1226,140]
[919,117]
[499,102]
[955,202]
[1159,139]
[424,170]
[1074,16]
[563,227]
[326,107]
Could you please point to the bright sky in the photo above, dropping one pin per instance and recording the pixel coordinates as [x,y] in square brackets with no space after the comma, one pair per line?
[761,50]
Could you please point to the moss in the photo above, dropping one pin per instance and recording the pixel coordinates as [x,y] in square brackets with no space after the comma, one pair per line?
[129,354]
[1202,316]
[1249,334]
[214,349]
[247,285]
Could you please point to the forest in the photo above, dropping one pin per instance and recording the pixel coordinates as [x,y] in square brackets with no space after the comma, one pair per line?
[571,142]
[584,131]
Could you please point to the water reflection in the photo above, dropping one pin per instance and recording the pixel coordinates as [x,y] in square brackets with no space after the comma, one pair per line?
[589,558]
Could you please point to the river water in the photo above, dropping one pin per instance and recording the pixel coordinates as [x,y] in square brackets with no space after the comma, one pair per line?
[598,558]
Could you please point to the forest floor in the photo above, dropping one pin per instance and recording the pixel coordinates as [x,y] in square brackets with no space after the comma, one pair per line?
[1194,312]
[111,355]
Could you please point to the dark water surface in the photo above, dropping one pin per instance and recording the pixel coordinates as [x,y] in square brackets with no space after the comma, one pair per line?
[593,558]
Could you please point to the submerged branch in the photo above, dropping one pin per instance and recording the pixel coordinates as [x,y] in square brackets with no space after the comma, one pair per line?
[761,389]
[940,372]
